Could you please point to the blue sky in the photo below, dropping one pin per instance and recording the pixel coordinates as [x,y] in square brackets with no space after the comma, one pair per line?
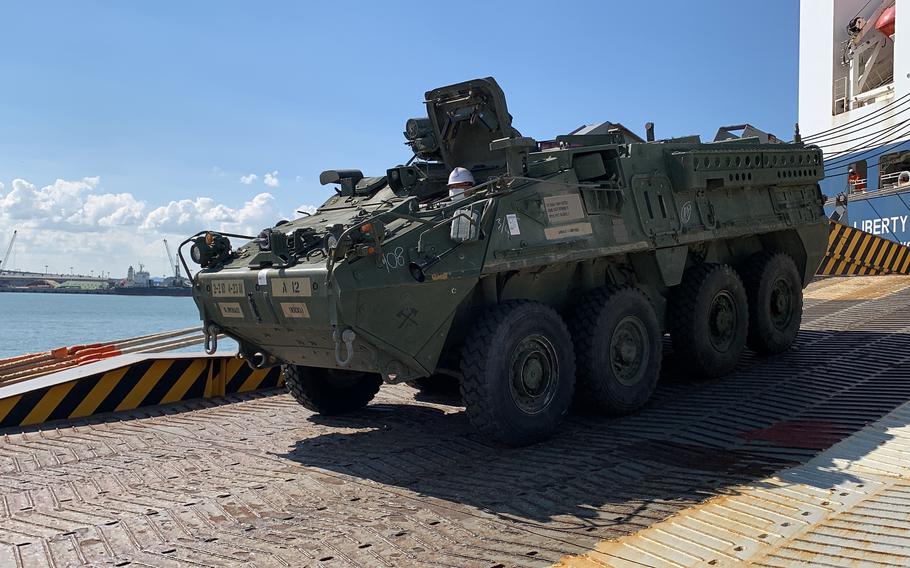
[171,101]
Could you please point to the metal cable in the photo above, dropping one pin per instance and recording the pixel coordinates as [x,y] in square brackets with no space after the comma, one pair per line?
[863,137]
[827,175]
[842,157]
[856,120]
[861,127]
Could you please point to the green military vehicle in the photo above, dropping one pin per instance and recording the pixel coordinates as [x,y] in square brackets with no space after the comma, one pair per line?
[555,276]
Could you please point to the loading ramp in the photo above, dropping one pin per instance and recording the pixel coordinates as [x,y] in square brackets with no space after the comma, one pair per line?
[254,479]
[854,252]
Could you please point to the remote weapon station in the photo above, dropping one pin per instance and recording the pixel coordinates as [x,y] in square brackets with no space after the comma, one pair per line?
[555,276]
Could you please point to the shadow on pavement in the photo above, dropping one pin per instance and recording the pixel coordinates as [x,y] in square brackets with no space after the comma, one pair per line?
[693,440]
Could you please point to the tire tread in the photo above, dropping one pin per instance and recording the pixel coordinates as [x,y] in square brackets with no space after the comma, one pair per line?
[761,340]
[476,392]
[681,316]
[315,393]
[590,391]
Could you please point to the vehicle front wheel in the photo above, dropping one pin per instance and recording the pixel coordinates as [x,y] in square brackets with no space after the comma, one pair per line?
[518,372]
[331,391]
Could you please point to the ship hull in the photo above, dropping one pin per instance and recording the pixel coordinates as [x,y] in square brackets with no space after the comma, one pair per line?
[883,209]
[152,291]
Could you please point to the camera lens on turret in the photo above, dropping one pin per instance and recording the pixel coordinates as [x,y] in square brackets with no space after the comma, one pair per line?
[264,239]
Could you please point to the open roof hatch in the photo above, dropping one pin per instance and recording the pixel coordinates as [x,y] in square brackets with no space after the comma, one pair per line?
[467,117]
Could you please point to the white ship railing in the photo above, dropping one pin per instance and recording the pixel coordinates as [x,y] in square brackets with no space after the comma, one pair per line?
[895,179]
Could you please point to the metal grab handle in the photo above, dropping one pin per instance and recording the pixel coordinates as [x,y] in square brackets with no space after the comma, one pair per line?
[211,339]
[347,336]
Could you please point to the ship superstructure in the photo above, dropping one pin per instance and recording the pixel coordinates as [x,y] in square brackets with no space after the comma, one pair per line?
[854,102]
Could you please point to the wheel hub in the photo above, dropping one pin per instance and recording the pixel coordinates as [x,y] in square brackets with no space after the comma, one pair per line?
[781,303]
[722,320]
[629,350]
[534,374]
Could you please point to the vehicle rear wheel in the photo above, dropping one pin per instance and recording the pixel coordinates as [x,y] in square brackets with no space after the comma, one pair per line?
[618,347]
[708,316]
[775,293]
[331,391]
[518,372]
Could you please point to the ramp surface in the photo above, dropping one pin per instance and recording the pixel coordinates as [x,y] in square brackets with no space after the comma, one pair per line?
[257,480]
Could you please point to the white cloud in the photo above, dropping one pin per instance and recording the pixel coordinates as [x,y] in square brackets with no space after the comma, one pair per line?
[190,215]
[271,179]
[305,208]
[298,179]
[110,210]
[248,179]
[217,171]
[60,203]
[74,223]
[1,187]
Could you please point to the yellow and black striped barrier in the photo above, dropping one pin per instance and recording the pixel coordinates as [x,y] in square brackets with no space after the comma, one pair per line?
[138,382]
[852,252]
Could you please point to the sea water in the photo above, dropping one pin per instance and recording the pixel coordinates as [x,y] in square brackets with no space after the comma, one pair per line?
[32,322]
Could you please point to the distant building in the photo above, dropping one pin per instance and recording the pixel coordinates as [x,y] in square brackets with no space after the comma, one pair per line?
[83,285]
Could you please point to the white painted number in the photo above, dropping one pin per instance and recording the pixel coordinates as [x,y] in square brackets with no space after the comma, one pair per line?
[393,259]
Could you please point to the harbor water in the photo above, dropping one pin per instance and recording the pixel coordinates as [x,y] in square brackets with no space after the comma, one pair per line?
[37,322]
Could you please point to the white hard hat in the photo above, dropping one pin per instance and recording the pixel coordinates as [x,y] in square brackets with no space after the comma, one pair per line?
[461,175]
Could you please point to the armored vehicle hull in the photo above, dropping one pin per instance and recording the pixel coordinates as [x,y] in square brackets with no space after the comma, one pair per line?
[557,274]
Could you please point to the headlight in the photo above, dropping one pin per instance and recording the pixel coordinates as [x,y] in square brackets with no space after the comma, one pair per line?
[210,249]
[196,253]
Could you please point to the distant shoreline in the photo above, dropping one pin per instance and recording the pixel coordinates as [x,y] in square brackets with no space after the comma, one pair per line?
[151,291]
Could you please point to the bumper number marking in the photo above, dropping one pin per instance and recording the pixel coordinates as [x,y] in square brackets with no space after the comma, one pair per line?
[230,309]
[295,310]
[227,288]
[291,287]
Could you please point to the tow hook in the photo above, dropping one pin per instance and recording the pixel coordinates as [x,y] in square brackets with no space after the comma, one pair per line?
[211,338]
[347,336]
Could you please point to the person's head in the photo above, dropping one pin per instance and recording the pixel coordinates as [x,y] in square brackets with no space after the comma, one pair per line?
[461,179]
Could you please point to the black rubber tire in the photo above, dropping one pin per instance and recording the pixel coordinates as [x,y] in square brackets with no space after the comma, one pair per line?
[689,315]
[775,292]
[601,384]
[499,339]
[435,384]
[330,391]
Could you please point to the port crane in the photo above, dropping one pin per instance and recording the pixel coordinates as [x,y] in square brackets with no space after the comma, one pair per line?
[178,280]
[9,250]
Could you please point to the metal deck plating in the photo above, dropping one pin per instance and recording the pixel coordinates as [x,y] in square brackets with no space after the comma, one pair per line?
[258,480]
[846,507]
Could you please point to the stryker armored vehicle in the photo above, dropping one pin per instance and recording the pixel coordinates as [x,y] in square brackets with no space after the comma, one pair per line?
[555,276]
